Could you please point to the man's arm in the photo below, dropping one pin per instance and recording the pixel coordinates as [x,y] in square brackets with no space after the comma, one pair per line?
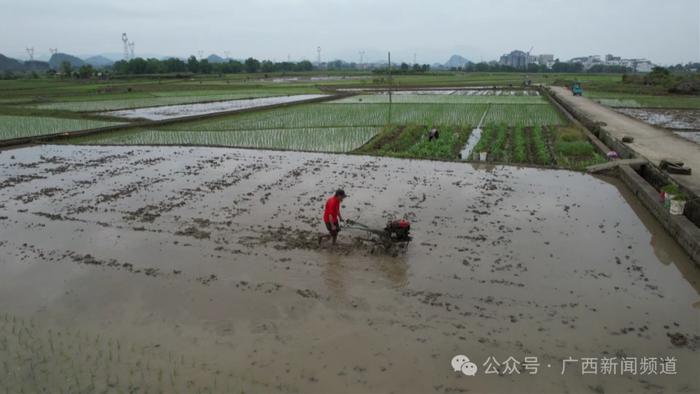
[340,217]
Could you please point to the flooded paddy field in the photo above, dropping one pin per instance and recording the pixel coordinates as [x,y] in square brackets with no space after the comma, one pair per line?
[690,135]
[139,269]
[182,110]
[684,122]
[682,119]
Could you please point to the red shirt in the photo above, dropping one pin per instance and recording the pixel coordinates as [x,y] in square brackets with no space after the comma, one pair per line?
[332,210]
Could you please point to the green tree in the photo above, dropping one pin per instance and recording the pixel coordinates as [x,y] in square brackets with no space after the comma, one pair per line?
[174,65]
[137,66]
[304,65]
[252,65]
[193,64]
[154,66]
[66,68]
[85,71]
[267,66]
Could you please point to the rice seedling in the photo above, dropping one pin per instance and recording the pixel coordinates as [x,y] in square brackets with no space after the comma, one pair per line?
[520,145]
[29,126]
[541,150]
[440,99]
[332,139]
[498,152]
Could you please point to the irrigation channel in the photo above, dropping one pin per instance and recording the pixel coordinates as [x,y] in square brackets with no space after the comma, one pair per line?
[474,138]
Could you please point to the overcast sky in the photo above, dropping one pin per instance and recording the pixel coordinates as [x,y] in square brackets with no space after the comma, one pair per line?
[665,31]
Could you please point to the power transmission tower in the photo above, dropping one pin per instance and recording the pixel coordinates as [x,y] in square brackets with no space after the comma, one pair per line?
[53,50]
[318,50]
[131,49]
[227,54]
[415,58]
[362,58]
[201,54]
[125,40]
[30,52]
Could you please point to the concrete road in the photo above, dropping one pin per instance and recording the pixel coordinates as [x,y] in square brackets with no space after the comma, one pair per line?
[650,142]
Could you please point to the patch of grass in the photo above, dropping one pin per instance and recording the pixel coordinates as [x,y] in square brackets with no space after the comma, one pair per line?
[574,148]
[617,99]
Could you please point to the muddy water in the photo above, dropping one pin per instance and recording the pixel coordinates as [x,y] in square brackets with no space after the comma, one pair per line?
[198,270]
[690,135]
[682,119]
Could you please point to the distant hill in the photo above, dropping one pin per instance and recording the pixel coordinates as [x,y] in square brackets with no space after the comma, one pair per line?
[36,66]
[14,65]
[10,64]
[58,58]
[215,59]
[99,61]
[457,61]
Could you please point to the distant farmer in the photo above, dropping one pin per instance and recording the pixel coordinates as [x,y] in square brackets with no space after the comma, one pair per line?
[332,217]
[434,134]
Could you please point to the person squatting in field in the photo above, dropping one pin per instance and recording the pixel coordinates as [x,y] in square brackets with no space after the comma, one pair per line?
[332,216]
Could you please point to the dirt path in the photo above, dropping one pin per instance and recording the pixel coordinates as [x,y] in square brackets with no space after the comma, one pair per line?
[651,142]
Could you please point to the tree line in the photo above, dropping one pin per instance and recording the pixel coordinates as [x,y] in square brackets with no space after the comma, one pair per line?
[193,65]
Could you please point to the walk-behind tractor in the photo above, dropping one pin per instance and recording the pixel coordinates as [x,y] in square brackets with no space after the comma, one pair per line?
[396,233]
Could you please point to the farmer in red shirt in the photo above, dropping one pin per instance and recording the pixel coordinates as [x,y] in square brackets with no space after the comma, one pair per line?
[332,217]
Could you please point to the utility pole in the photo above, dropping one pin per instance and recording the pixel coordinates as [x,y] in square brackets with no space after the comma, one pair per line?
[389,68]
[390,86]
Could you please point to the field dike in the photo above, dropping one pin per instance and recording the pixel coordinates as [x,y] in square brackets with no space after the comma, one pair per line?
[646,182]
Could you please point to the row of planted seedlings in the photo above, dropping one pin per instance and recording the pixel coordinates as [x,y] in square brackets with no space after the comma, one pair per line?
[39,358]
[519,144]
[561,146]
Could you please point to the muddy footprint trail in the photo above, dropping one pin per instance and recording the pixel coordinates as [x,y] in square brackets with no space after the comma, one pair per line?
[202,268]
